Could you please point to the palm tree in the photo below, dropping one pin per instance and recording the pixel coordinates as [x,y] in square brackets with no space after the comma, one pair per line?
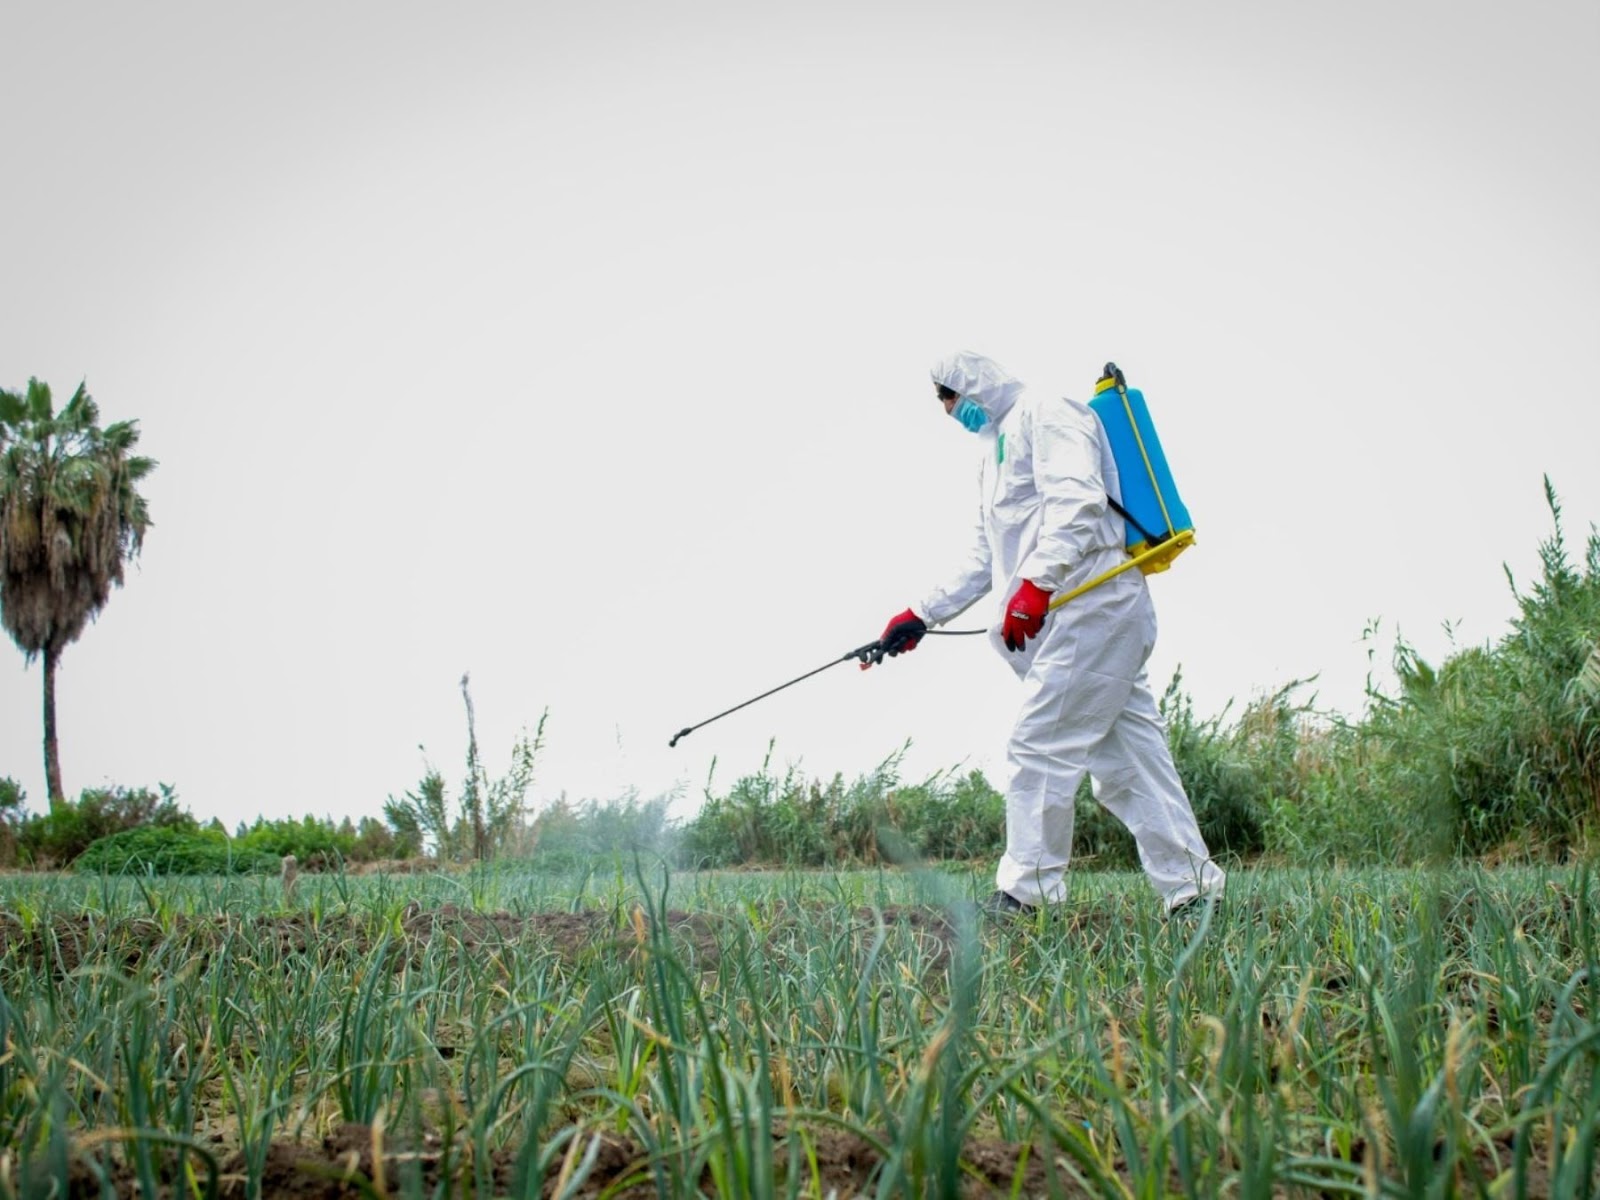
[70,515]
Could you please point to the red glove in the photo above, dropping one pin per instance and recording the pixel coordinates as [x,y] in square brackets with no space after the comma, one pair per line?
[900,635]
[1025,615]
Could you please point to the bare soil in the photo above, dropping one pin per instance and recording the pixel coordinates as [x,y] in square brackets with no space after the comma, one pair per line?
[846,1165]
[66,942]
[346,1164]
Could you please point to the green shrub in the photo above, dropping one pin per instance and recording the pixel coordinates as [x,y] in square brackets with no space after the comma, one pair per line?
[12,819]
[374,840]
[964,819]
[1336,807]
[1501,743]
[803,823]
[166,850]
[567,835]
[767,819]
[69,828]
[313,842]
[319,843]
[760,820]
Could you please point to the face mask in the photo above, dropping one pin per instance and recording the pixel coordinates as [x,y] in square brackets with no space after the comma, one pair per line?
[970,414]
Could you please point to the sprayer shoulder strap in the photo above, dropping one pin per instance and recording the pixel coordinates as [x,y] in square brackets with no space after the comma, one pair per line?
[1155,539]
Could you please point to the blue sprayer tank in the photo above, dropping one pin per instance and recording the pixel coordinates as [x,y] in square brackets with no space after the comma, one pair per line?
[1148,492]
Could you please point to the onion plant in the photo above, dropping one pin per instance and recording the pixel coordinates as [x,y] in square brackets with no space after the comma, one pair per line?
[1372,1032]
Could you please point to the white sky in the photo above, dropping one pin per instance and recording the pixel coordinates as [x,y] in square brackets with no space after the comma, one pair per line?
[585,348]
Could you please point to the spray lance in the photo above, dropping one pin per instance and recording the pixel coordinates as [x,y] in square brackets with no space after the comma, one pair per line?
[869,655]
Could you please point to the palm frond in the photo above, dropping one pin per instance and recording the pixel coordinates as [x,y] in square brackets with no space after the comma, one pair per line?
[70,514]
[13,408]
[120,437]
[135,469]
[40,406]
[80,412]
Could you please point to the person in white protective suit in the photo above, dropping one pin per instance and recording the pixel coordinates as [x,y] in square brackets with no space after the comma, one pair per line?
[1044,525]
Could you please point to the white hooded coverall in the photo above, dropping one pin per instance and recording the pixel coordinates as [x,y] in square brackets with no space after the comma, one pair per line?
[1087,706]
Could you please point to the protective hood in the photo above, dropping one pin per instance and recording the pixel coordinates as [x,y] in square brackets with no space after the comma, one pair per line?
[983,380]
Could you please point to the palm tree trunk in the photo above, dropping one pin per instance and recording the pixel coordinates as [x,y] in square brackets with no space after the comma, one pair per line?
[52,751]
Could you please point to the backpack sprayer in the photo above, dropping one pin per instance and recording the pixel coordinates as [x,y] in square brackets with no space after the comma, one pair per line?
[1149,497]
[1157,523]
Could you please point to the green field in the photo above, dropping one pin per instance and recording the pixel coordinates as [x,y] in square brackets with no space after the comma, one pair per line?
[506,1032]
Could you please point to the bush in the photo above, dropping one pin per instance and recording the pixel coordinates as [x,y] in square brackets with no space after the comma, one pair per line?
[798,822]
[167,850]
[962,820]
[736,828]
[790,820]
[566,835]
[1330,807]
[12,819]
[1500,744]
[314,843]
[375,841]
[68,829]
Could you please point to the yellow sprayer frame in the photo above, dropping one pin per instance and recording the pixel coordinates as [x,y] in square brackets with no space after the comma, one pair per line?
[1170,547]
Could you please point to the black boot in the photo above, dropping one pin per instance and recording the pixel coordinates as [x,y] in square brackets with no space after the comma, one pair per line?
[1002,906]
